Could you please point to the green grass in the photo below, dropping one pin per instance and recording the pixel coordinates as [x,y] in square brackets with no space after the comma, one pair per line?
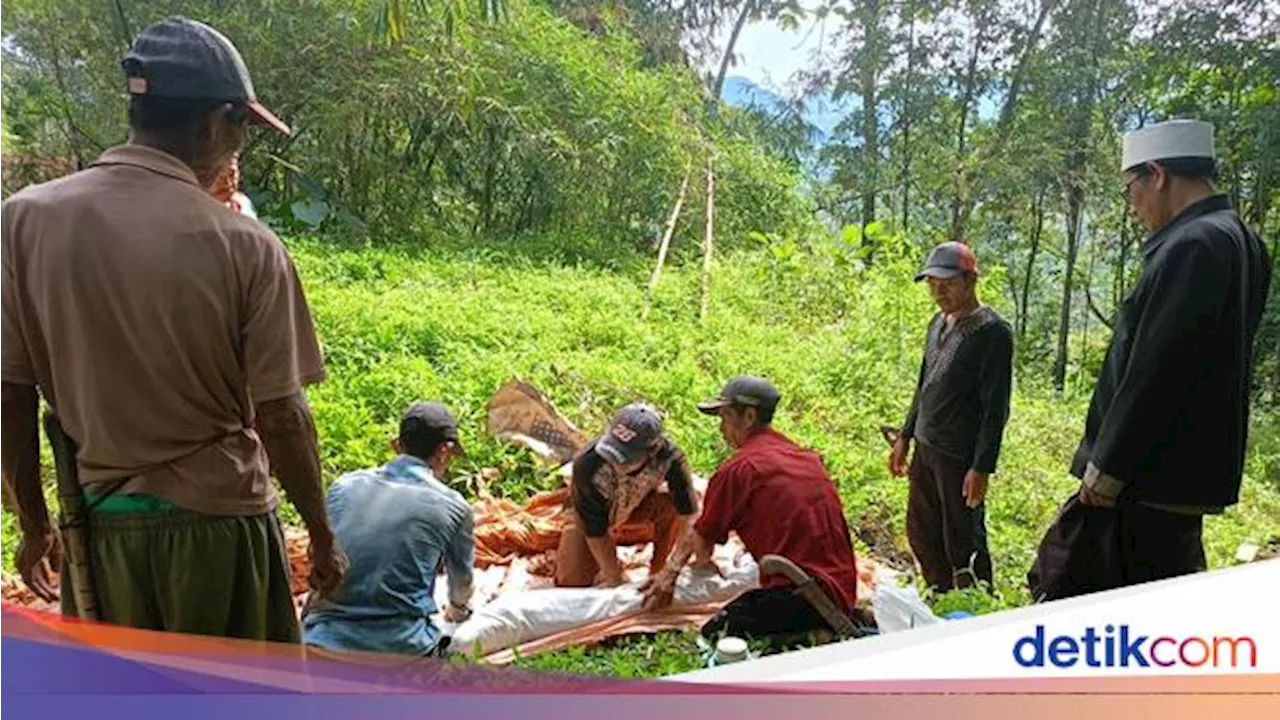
[632,656]
[841,342]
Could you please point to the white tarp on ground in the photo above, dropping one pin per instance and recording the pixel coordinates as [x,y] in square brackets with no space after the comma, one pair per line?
[513,607]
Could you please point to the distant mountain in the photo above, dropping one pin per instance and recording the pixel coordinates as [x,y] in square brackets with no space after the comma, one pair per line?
[742,92]
[823,113]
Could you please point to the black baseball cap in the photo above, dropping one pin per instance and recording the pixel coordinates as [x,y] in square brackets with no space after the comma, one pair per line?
[743,390]
[427,423]
[635,429]
[949,260]
[181,58]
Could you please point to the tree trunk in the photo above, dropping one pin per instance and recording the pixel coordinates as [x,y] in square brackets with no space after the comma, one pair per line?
[959,199]
[870,148]
[1075,203]
[1088,281]
[666,238]
[960,215]
[1122,267]
[1031,265]
[747,7]
[906,117]
[1077,157]
[708,240]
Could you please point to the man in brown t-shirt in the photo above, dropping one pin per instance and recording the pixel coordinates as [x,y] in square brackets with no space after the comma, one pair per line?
[171,338]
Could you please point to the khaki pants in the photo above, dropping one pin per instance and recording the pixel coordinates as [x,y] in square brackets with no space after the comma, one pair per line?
[577,567]
[184,572]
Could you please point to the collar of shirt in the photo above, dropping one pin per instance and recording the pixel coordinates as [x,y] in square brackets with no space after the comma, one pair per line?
[148,158]
[949,321]
[410,470]
[759,436]
[1204,206]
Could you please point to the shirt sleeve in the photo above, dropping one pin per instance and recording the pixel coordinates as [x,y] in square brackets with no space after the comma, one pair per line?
[909,425]
[15,356]
[995,381]
[460,559]
[588,503]
[724,505]
[680,485]
[281,352]
[1181,307]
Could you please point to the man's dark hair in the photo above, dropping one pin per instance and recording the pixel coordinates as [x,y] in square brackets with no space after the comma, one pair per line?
[157,114]
[421,446]
[764,413]
[1187,168]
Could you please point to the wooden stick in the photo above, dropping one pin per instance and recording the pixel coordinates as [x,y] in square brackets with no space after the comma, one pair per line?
[666,239]
[708,241]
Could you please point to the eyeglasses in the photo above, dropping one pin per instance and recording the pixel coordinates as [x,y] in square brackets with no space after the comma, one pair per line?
[1139,173]
[1127,193]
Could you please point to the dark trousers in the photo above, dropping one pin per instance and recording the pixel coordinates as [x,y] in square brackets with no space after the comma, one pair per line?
[1157,544]
[1090,549]
[947,537]
[765,613]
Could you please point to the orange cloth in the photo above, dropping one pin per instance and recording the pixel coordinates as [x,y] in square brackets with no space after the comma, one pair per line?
[505,530]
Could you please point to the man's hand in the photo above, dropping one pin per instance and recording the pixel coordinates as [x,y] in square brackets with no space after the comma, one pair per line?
[975,488]
[328,564]
[706,565]
[1095,499]
[455,614]
[610,578]
[658,591]
[36,557]
[898,457]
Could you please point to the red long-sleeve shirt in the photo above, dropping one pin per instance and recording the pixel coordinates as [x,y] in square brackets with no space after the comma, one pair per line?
[778,497]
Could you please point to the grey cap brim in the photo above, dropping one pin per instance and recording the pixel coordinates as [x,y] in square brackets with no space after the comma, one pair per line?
[613,452]
[712,407]
[940,273]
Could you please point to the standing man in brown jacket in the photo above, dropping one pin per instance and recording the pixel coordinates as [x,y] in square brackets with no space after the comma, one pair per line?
[172,340]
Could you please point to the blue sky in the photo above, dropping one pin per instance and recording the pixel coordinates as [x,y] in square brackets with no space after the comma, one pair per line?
[769,55]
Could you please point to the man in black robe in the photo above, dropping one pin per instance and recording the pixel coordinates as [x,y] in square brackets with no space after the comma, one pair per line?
[1165,435]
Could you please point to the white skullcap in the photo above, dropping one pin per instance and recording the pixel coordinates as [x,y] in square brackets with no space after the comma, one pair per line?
[1172,139]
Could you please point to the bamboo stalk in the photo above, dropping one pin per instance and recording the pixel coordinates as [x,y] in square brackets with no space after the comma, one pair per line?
[666,239]
[708,239]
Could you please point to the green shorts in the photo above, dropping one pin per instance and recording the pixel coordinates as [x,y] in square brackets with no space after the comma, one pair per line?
[158,567]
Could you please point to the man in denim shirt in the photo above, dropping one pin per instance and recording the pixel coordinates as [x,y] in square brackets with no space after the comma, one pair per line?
[398,525]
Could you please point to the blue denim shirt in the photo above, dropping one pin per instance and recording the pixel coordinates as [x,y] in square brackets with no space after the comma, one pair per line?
[398,526]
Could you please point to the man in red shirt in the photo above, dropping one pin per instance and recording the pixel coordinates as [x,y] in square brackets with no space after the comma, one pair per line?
[780,501]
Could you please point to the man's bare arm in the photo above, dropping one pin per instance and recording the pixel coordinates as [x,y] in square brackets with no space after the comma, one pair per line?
[20,440]
[659,590]
[20,429]
[605,551]
[289,434]
[690,544]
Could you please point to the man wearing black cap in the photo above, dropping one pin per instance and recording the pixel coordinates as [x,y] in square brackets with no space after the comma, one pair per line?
[172,340]
[399,524]
[778,497]
[616,480]
[1164,440]
[957,419]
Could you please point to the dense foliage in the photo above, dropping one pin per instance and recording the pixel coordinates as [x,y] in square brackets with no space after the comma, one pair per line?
[463,125]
